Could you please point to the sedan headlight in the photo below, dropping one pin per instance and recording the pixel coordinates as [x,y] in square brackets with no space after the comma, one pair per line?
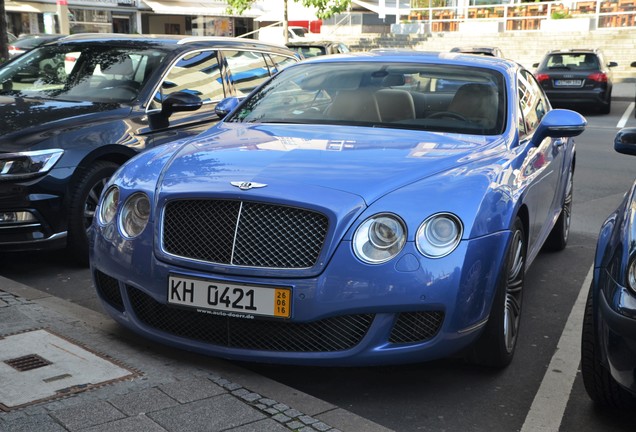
[108,206]
[439,235]
[379,238]
[28,164]
[134,215]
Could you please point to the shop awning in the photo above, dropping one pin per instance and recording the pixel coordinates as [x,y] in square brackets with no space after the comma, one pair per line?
[27,7]
[212,8]
[295,12]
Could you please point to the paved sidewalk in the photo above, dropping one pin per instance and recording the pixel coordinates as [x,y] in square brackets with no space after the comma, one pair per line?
[154,388]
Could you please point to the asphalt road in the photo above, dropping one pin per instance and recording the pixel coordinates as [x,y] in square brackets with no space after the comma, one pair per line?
[541,387]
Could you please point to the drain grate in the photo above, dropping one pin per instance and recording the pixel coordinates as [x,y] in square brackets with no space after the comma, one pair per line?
[27,362]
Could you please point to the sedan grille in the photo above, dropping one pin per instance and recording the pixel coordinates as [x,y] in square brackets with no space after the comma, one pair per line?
[331,334]
[243,233]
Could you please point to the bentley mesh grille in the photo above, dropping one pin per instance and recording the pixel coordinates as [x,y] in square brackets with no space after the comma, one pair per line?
[108,287]
[243,233]
[416,326]
[331,334]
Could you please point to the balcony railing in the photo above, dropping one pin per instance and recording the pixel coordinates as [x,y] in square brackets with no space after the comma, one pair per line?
[526,16]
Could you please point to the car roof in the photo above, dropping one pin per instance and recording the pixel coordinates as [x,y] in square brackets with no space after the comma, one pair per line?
[574,50]
[313,43]
[174,41]
[408,55]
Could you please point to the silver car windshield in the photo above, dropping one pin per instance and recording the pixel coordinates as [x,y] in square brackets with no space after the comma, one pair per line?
[80,73]
[455,99]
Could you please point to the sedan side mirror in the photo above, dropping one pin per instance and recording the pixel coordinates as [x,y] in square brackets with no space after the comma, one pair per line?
[180,101]
[226,106]
[612,64]
[625,141]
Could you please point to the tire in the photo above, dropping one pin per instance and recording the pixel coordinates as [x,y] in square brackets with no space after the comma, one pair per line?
[496,345]
[84,200]
[558,238]
[599,383]
[606,107]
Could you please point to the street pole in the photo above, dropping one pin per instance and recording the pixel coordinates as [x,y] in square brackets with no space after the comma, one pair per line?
[62,16]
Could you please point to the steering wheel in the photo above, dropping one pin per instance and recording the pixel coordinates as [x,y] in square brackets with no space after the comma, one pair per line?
[447,114]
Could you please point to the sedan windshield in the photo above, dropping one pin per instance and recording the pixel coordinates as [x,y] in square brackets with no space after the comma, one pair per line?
[435,97]
[80,73]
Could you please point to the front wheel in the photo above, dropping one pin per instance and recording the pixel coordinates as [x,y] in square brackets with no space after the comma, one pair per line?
[497,343]
[83,204]
[598,381]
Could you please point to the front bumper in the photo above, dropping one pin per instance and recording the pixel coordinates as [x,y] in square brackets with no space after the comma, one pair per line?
[411,309]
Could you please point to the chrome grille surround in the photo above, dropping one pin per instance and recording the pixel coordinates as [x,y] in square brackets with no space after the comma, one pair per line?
[243,233]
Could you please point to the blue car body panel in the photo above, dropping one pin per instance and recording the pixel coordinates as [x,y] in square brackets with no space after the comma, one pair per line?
[347,174]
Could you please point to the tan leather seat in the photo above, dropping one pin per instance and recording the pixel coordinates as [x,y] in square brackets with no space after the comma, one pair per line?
[354,105]
[395,105]
[477,103]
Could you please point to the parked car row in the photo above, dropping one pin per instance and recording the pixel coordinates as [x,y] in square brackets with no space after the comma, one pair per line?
[344,210]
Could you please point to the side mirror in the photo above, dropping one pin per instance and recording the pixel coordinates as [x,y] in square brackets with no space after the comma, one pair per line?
[560,123]
[633,64]
[535,65]
[625,141]
[180,101]
[226,106]
[612,64]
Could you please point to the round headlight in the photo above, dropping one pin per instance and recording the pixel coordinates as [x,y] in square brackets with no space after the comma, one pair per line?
[134,215]
[379,238]
[439,235]
[631,275]
[108,206]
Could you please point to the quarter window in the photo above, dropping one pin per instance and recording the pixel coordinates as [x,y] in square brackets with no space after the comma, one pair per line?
[247,70]
[532,103]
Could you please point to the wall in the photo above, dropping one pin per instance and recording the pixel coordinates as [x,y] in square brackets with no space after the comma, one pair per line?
[526,47]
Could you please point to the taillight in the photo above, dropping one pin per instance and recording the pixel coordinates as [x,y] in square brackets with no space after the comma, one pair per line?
[542,77]
[598,76]
[70,58]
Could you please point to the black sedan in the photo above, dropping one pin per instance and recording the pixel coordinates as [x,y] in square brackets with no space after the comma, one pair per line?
[74,110]
[608,360]
[581,77]
[318,48]
[25,43]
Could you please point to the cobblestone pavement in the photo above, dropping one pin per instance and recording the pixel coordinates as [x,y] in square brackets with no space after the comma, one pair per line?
[166,390]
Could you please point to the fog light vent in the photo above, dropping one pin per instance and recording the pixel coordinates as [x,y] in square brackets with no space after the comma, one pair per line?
[27,362]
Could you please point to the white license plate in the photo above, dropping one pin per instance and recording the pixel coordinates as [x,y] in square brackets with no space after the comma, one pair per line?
[568,83]
[225,298]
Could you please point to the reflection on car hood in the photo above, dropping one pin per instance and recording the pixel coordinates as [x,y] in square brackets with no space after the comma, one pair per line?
[368,162]
[25,121]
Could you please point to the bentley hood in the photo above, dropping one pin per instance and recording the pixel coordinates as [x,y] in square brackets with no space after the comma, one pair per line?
[368,162]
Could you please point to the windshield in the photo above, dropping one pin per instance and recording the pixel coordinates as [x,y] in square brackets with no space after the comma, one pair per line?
[432,97]
[80,73]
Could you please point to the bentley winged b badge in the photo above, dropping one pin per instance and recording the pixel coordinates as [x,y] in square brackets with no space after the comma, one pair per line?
[246,185]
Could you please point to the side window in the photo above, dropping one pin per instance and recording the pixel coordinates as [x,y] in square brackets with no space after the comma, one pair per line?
[533,103]
[247,70]
[197,73]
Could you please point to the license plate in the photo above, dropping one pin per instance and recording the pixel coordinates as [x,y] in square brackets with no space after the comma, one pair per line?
[568,83]
[226,299]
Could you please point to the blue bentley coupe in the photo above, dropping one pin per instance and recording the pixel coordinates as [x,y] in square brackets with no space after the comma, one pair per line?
[357,209]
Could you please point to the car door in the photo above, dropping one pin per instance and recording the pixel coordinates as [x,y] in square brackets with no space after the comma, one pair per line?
[542,167]
[196,72]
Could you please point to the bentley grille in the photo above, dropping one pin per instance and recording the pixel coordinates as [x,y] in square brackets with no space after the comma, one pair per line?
[243,233]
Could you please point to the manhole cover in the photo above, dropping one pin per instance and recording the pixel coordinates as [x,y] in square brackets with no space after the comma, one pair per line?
[39,365]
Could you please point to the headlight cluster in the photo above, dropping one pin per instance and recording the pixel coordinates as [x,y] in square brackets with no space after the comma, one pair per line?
[381,237]
[15,166]
[134,213]
[631,275]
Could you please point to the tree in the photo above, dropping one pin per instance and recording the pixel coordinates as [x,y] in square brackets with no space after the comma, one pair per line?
[4,49]
[325,8]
